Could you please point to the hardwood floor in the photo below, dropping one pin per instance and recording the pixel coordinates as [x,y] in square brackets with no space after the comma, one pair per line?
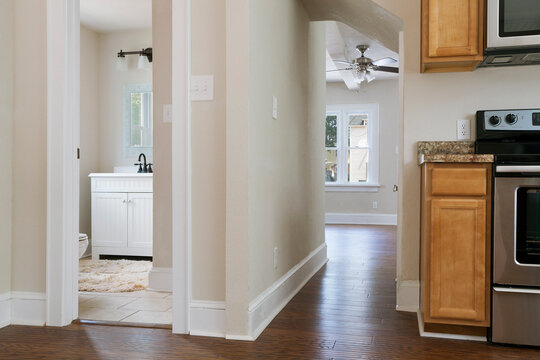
[347,311]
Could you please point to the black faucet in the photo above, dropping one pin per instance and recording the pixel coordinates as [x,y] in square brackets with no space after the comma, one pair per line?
[143,167]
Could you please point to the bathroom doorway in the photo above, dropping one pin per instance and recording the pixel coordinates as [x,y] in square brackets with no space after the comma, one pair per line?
[116,221]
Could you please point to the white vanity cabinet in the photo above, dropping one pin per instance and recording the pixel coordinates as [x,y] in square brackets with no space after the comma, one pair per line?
[121,214]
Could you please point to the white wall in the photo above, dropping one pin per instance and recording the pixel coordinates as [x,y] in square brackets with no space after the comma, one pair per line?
[162,87]
[385,93]
[6,145]
[281,213]
[111,82]
[208,151]
[90,124]
[29,147]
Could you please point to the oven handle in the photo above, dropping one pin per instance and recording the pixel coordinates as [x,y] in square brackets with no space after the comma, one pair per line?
[517,168]
[516,290]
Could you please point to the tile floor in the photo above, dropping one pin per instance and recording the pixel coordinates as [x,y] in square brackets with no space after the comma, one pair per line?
[148,307]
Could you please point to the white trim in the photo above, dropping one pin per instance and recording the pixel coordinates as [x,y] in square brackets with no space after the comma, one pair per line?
[160,279]
[28,308]
[408,295]
[62,166]
[5,309]
[270,302]
[361,219]
[181,164]
[207,318]
[444,335]
[352,187]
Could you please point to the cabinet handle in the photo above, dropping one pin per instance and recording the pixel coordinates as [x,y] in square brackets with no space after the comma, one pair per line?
[123,201]
[130,201]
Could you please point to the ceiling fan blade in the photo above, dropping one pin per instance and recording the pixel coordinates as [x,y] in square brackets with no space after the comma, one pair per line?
[387,69]
[339,70]
[385,61]
[342,62]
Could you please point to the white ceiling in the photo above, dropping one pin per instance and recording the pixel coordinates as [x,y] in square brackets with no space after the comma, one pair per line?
[341,42]
[116,15]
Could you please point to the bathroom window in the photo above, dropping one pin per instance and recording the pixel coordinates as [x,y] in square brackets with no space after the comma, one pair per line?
[352,147]
[138,122]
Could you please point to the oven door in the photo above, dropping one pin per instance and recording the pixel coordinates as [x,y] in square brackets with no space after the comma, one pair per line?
[513,23]
[516,231]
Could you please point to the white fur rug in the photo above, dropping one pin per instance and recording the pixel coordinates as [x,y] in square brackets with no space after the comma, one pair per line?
[113,275]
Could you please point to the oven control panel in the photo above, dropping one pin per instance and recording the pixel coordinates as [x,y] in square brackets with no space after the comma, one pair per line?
[509,120]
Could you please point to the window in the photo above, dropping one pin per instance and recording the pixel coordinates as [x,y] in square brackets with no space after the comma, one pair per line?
[352,147]
[138,122]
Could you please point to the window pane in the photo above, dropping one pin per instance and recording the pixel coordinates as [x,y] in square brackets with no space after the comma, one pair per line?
[136,107]
[331,166]
[331,131]
[358,130]
[358,165]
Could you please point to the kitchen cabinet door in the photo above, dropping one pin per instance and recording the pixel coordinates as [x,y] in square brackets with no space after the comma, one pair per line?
[452,35]
[109,219]
[140,220]
[456,260]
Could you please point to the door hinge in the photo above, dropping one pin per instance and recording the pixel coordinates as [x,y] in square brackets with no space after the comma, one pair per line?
[78,153]
[395,188]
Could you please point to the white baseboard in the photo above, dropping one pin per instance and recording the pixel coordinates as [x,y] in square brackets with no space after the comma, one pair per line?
[270,302]
[28,308]
[160,279]
[5,309]
[207,318]
[408,295]
[444,335]
[361,219]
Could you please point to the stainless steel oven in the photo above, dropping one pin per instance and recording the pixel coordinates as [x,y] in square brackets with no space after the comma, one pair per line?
[513,136]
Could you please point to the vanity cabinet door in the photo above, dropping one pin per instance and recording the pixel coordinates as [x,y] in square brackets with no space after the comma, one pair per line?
[140,220]
[109,219]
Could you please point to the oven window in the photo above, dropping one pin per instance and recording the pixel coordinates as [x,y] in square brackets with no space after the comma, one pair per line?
[519,17]
[528,226]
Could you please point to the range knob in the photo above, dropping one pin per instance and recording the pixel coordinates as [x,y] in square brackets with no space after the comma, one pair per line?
[511,119]
[495,120]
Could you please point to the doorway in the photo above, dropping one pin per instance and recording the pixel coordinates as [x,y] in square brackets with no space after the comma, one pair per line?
[63,27]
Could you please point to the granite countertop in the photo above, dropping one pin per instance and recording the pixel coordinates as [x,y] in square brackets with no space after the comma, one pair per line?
[450,152]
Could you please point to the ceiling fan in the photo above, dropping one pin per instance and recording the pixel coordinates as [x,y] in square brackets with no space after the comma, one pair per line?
[363,66]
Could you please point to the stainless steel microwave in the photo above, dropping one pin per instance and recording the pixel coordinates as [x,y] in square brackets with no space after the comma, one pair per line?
[513,33]
[513,23]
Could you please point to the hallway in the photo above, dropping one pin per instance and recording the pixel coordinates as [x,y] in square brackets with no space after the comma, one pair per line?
[347,311]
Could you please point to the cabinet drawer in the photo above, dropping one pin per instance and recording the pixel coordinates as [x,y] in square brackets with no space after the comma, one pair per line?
[459,181]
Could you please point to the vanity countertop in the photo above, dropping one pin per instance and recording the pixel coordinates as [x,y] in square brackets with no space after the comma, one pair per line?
[450,152]
[121,175]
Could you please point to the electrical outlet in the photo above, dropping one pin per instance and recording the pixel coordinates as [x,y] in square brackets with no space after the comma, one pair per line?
[275,257]
[463,129]
[374,204]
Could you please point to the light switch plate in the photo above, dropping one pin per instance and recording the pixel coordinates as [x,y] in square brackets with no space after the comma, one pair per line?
[274,107]
[167,113]
[202,88]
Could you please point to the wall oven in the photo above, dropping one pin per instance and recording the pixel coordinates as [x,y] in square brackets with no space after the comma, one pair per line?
[513,136]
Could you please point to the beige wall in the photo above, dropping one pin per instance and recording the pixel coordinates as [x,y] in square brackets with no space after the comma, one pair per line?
[385,93]
[285,166]
[6,144]
[208,151]
[111,82]
[90,124]
[162,87]
[29,147]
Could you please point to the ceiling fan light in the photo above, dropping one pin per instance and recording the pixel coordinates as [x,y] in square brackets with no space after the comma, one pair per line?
[369,77]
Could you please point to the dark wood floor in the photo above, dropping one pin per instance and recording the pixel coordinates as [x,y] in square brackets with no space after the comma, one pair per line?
[347,311]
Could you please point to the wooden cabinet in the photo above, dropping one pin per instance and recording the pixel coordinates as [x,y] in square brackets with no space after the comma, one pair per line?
[455,266]
[452,35]
[122,215]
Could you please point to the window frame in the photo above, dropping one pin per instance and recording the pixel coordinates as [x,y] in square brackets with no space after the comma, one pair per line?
[343,112]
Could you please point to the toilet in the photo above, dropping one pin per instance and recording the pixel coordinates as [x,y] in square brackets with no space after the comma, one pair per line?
[83,244]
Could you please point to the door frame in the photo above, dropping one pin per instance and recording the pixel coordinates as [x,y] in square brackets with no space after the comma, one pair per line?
[63,140]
